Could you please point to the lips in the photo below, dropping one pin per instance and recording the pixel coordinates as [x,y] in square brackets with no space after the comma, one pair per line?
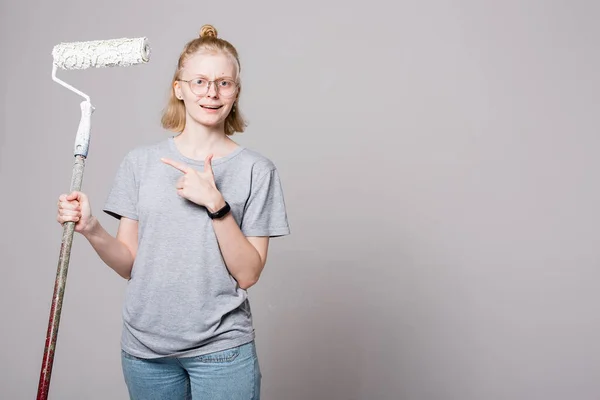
[209,107]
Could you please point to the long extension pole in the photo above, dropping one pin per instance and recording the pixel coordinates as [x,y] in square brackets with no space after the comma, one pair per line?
[59,288]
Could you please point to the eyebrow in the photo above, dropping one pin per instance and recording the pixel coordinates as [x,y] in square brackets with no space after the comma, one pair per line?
[206,77]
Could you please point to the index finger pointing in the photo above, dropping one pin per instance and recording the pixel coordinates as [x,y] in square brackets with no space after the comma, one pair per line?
[180,166]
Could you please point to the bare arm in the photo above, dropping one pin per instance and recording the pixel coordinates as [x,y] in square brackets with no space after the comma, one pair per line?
[245,257]
[118,253]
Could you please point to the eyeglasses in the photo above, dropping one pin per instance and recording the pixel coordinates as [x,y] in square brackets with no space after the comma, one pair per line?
[200,86]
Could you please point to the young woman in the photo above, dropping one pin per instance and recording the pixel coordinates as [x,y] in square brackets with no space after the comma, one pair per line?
[196,213]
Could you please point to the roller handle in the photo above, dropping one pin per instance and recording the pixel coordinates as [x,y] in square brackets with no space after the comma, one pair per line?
[61,273]
[82,140]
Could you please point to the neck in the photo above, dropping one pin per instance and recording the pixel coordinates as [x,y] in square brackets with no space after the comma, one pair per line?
[198,141]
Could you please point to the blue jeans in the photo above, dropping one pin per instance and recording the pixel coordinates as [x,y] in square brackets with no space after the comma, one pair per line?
[232,374]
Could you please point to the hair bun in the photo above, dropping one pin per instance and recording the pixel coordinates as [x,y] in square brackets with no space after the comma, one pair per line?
[208,31]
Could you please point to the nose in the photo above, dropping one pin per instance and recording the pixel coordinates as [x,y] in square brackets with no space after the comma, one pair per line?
[212,89]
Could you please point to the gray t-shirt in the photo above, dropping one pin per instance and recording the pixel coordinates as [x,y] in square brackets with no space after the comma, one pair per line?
[181,300]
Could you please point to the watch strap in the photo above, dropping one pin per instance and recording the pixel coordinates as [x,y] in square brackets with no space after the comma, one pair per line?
[220,213]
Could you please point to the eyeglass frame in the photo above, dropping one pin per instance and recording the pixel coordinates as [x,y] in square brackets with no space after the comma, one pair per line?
[237,86]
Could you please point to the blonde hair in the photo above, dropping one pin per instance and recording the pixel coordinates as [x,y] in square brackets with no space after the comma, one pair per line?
[173,117]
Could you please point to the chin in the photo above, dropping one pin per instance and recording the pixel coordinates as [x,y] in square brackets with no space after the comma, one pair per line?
[209,121]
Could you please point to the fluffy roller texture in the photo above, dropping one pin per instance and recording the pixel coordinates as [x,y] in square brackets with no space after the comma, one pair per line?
[122,52]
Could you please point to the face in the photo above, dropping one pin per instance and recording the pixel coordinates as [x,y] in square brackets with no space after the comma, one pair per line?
[206,96]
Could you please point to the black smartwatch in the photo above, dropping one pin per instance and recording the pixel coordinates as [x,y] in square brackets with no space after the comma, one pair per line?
[219,213]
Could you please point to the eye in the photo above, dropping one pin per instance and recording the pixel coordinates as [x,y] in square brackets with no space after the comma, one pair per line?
[199,81]
[225,83]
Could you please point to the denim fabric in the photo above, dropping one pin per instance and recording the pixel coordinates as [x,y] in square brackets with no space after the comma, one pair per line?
[232,374]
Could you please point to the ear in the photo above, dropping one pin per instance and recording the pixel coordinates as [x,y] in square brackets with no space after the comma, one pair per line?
[177,90]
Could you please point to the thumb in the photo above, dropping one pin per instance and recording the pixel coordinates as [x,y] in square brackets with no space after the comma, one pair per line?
[73,196]
[208,164]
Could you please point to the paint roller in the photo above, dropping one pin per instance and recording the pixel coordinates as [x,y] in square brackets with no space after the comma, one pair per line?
[122,52]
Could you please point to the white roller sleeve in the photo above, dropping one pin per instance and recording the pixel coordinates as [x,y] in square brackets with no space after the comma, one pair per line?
[101,53]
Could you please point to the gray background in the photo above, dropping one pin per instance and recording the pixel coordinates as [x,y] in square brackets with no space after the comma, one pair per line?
[440,166]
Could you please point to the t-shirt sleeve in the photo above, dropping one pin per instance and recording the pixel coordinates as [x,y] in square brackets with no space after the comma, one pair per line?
[265,212]
[123,196]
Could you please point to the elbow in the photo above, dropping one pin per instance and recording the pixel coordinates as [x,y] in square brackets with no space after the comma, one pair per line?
[126,271]
[125,275]
[247,282]
[251,276]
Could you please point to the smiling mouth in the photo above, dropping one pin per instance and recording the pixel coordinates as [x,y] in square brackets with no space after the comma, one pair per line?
[211,107]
